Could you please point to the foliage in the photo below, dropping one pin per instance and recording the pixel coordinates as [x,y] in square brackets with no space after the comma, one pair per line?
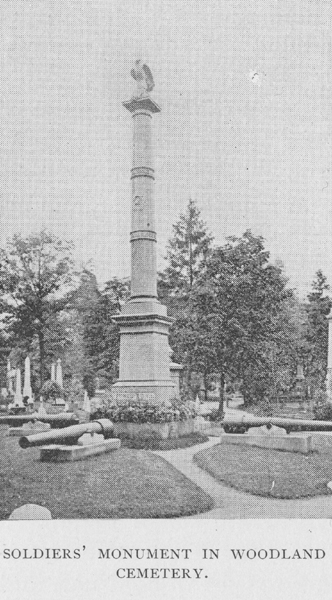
[52,390]
[36,280]
[186,252]
[214,415]
[101,334]
[322,408]
[132,412]
[240,326]
[316,335]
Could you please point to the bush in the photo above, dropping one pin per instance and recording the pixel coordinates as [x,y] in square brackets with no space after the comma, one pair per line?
[214,415]
[322,408]
[134,412]
[265,408]
[51,390]
[144,440]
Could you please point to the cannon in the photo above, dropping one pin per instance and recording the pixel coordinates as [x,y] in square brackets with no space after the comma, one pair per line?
[68,435]
[241,423]
[56,421]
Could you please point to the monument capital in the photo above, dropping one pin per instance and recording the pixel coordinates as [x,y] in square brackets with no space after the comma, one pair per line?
[144,103]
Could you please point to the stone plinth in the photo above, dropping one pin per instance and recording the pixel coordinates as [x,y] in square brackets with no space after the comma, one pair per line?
[288,443]
[59,453]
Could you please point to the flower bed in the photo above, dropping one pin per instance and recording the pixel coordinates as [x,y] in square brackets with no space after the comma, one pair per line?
[169,420]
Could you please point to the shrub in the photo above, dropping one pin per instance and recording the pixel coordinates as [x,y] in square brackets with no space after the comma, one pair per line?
[265,408]
[322,408]
[52,390]
[144,440]
[134,412]
[214,415]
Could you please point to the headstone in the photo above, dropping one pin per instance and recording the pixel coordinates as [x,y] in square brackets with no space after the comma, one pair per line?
[41,411]
[30,512]
[86,403]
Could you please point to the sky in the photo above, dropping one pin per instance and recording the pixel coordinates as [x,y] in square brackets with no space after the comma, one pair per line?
[245,127]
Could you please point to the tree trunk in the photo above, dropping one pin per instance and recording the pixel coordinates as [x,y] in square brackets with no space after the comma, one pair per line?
[221,394]
[205,379]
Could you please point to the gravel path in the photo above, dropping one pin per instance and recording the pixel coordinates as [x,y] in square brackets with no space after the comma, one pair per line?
[232,504]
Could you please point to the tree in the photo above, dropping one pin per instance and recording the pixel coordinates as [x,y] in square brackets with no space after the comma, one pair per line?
[36,280]
[186,252]
[78,365]
[101,333]
[316,335]
[240,303]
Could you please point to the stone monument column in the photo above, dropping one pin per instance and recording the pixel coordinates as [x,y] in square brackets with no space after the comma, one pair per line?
[144,370]
[329,360]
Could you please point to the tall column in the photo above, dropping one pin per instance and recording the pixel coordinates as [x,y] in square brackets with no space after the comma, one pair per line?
[143,235]
[329,360]
[144,369]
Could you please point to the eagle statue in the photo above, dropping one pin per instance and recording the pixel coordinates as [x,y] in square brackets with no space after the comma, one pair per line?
[142,74]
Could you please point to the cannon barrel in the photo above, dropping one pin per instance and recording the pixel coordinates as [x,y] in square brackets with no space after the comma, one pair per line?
[68,435]
[56,421]
[245,421]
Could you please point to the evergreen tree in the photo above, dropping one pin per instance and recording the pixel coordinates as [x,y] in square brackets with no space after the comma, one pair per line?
[101,333]
[318,307]
[187,249]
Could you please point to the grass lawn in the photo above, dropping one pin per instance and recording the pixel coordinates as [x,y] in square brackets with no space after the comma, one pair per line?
[124,484]
[269,472]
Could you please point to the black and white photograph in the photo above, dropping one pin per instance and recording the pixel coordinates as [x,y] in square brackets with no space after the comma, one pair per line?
[165,298]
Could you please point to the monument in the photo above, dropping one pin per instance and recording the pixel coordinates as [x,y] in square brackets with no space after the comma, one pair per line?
[144,370]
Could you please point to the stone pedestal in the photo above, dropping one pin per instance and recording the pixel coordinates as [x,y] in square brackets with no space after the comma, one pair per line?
[144,370]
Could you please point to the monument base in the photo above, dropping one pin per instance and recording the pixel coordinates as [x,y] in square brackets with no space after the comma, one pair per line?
[59,453]
[288,443]
[172,429]
[153,392]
